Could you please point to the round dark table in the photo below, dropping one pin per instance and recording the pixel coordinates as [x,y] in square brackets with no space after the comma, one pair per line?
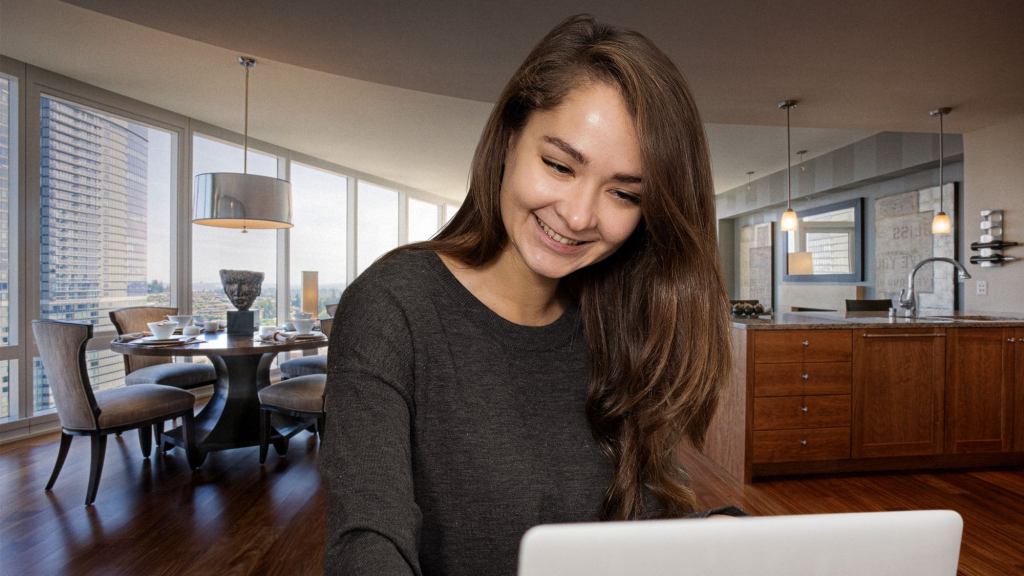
[231,417]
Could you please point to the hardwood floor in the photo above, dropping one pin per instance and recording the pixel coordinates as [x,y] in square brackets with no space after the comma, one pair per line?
[234,517]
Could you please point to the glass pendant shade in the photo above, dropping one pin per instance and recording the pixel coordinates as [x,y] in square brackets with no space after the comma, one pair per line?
[788,220]
[942,224]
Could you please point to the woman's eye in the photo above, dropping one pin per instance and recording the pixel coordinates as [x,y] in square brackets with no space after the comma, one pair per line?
[627,197]
[560,168]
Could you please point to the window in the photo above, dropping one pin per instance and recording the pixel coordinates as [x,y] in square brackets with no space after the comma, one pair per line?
[106,184]
[8,225]
[449,212]
[214,249]
[377,223]
[422,220]
[318,239]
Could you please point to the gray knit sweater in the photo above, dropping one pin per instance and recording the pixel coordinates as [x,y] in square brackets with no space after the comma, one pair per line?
[450,431]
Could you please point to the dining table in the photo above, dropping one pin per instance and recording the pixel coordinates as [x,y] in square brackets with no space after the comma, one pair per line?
[231,417]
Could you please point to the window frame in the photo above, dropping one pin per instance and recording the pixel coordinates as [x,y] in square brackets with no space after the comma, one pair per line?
[24,241]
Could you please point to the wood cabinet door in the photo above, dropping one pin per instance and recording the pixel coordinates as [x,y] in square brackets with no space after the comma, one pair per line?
[980,390]
[898,387]
[1017,368]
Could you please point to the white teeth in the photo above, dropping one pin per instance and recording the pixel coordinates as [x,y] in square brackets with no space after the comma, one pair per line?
[556,236]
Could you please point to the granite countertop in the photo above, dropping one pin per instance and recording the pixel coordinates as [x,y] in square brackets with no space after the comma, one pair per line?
[838,320]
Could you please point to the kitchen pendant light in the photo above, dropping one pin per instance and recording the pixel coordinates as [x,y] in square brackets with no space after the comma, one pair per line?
[941,224]
[233,200]
[749,174]
[788,220]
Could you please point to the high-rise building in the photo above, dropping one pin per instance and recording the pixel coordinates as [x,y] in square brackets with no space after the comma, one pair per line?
[93,224]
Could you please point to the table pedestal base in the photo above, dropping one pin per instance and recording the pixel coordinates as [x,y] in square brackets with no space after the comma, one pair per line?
[231,419]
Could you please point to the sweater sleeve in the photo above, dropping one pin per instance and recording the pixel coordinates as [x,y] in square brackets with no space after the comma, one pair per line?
[373,521]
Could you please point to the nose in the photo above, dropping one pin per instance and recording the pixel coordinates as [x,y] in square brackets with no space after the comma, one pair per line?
[579,208]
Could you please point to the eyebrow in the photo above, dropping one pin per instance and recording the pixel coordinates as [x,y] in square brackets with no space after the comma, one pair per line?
[579,157]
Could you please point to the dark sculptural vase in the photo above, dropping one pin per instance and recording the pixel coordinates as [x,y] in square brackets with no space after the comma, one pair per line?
[241,286]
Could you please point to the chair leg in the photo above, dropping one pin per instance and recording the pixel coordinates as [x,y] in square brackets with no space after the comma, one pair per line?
[99,450]
[62,453]
[146,440]
[192,452]
[158,435]
[264,434]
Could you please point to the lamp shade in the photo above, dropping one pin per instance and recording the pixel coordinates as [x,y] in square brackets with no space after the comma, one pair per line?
[788,220]
[310,293]
[801,263]
[942,224]
[234,200]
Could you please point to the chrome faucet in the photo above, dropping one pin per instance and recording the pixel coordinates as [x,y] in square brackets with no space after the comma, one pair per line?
[909,302]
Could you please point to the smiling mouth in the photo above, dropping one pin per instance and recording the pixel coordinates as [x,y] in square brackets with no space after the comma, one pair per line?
[556,236]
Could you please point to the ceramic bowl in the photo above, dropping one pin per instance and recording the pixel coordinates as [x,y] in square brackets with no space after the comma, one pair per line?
[162,330]
[303,325]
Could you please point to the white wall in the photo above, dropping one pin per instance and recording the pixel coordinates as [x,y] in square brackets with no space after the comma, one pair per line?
[994,168]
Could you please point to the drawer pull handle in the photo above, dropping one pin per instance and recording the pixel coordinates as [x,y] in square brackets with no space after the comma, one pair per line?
[806,343]
[805,376]
[1011,340]
[803,442]
[803,409]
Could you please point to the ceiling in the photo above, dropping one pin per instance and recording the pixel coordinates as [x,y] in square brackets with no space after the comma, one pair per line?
[401,89]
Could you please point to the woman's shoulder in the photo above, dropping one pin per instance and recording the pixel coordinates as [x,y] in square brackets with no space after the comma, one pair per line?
[407,275]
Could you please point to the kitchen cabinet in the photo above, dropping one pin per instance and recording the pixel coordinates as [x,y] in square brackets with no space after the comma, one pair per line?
[899,384]
[801,409]
[980,390]
[1018,377]
[819,393]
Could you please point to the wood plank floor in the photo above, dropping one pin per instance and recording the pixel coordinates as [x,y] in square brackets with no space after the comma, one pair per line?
[235,517]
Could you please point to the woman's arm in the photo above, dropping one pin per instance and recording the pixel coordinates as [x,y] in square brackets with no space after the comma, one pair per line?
[373,521]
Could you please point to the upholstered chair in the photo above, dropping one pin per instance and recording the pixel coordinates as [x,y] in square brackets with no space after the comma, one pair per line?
[83,412]
[141,369]
[308,365]
[300,402]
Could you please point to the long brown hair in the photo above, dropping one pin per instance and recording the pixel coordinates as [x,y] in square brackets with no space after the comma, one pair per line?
[655,313]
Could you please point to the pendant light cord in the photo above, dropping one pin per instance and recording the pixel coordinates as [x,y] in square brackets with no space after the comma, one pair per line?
[941,155]
[245,129]
[789,164]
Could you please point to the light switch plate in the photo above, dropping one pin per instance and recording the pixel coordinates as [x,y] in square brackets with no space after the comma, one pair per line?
[981,287]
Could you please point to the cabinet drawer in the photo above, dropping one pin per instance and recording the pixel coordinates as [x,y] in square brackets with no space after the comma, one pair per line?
[793,445]
[777,346]
[802,378]
[793,412]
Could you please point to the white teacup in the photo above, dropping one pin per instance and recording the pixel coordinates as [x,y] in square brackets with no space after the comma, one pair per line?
[303,325]
[267,332]
[162,330]
[211,325]
[191,330]
[181,319]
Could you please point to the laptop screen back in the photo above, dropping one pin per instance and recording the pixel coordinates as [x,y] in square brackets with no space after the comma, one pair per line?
[917,543]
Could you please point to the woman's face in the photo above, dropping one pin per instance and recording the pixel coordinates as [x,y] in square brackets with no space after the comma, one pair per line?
[570,194]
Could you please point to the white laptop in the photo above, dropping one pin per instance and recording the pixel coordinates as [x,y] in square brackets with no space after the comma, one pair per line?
[916,543]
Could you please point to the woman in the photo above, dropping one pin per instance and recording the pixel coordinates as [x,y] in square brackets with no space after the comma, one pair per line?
[541,360]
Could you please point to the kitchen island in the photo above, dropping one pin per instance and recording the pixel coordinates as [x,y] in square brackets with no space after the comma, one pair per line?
[827,392]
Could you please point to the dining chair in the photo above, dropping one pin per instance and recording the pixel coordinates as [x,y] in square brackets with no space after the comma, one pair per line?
[868,305]
[83,412]
[308,365]
[300,401]
[162,370]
